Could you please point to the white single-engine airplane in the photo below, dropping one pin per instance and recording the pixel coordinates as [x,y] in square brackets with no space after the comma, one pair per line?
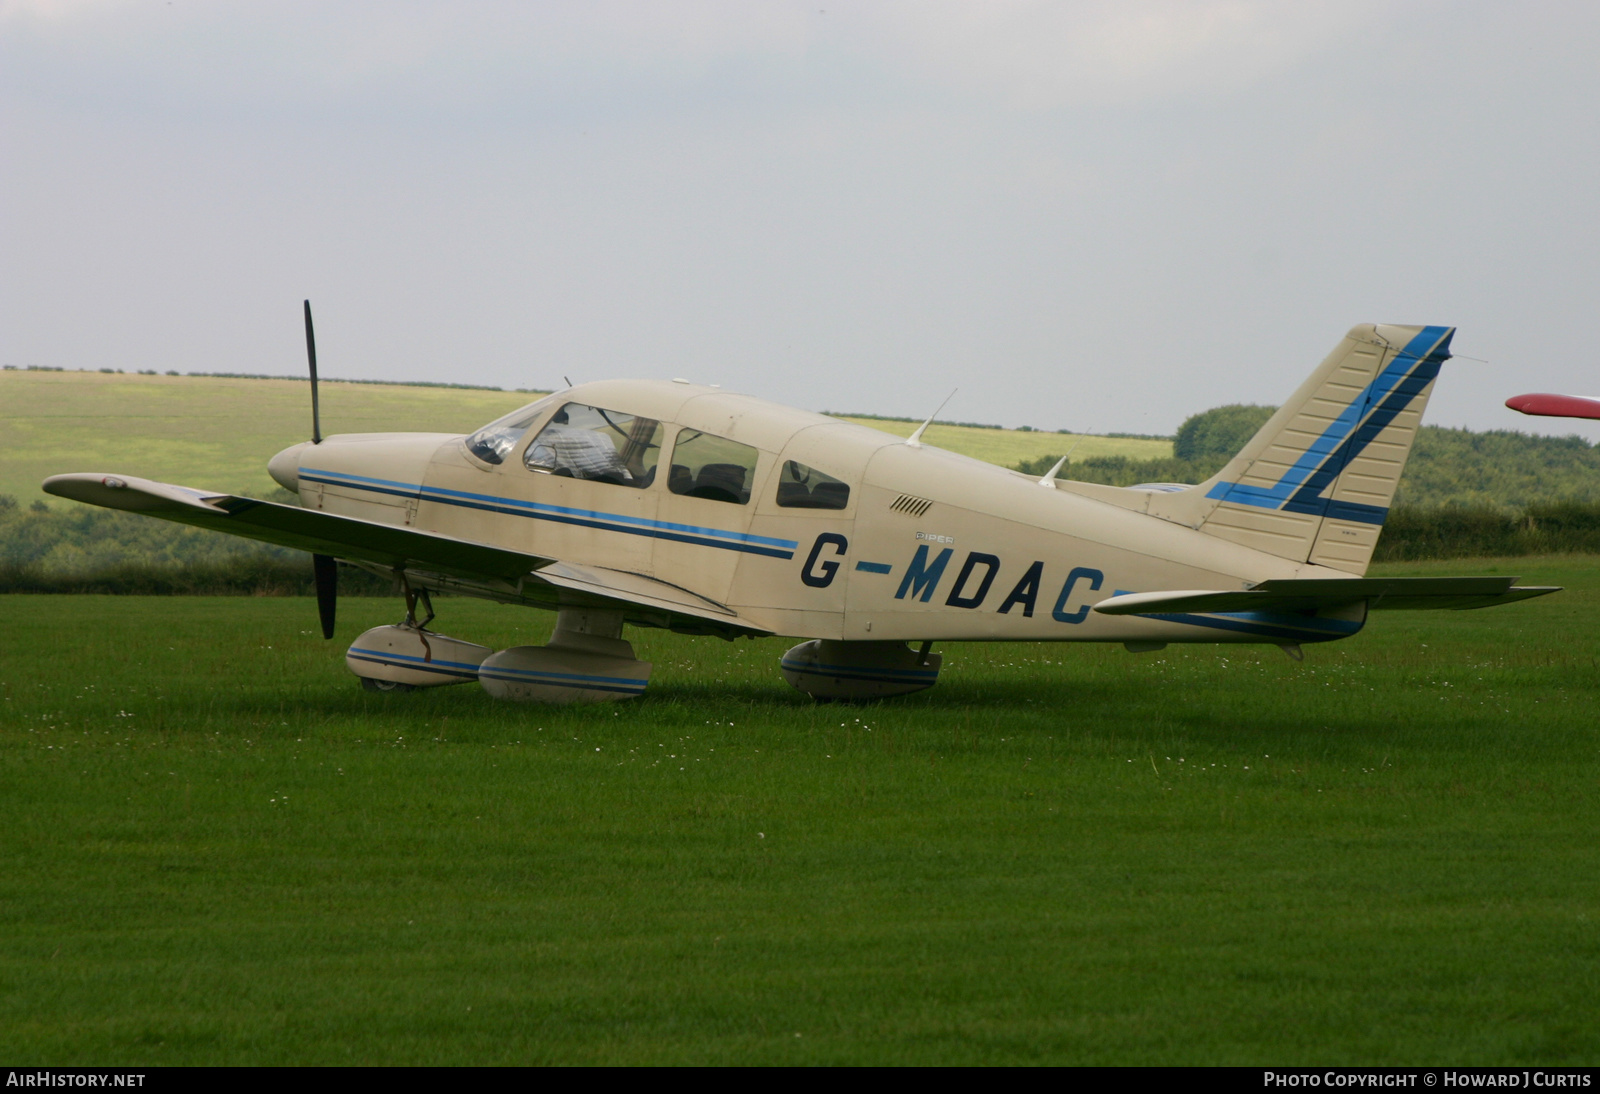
[669,504]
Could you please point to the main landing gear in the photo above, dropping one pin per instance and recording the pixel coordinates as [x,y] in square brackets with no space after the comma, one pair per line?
[586,661]
[829,670]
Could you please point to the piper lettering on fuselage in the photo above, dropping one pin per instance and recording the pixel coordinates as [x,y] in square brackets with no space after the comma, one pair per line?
[666,504]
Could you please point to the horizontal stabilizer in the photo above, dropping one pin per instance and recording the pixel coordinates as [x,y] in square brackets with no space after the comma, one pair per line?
[1304,595]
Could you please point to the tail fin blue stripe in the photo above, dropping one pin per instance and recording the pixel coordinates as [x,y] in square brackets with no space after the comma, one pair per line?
[1307,499]
[1390,392]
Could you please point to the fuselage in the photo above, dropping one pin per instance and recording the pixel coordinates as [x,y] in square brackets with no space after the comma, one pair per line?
[819,529]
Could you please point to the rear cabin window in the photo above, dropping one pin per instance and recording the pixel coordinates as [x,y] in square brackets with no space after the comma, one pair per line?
[707,466]
[802,487]
[588,442]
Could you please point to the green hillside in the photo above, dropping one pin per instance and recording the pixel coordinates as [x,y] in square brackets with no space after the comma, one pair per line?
[1500,469]
[205,431]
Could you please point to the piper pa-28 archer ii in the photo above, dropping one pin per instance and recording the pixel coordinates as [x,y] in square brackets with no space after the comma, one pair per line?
[668,504]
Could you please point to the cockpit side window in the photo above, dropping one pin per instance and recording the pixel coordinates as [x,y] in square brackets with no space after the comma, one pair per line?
[707,466]
[491,443]
[588,442]
[802,487]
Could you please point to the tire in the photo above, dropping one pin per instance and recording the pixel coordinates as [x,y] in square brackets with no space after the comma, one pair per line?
[385,687]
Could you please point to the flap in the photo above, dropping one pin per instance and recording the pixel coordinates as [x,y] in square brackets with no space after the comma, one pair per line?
[621,587]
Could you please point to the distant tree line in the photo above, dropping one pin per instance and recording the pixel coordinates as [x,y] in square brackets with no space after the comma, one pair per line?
[1413,533]
[1501,470]
[88,550]
[279,376]
[1463,494]
[896,418]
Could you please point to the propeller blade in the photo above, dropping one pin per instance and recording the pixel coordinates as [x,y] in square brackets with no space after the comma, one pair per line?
[311,354]
[326,572]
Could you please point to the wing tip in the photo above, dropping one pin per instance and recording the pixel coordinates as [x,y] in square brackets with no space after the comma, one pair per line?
[126,491]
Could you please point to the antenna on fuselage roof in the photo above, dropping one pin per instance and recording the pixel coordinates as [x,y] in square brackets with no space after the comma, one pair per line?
[915,440]
[1049,479]
[569,382]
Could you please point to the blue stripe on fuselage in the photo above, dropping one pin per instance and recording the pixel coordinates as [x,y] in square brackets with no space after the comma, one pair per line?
[559,514]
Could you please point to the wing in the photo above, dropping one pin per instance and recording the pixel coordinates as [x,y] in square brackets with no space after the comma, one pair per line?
[508,574]
[1301,595]
[304,529]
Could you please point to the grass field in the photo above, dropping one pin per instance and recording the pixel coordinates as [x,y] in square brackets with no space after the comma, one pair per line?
[218,433]
[220,850]
[206,431]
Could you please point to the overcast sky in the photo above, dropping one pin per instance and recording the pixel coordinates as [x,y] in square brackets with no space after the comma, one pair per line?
[1084,215]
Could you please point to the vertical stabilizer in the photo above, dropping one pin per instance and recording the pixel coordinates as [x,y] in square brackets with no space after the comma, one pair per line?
[1315,484]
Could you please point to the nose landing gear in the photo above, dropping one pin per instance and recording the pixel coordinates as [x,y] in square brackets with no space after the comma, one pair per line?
[407,655]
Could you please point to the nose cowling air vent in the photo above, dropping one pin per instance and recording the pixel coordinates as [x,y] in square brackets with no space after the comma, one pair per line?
[910,505]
